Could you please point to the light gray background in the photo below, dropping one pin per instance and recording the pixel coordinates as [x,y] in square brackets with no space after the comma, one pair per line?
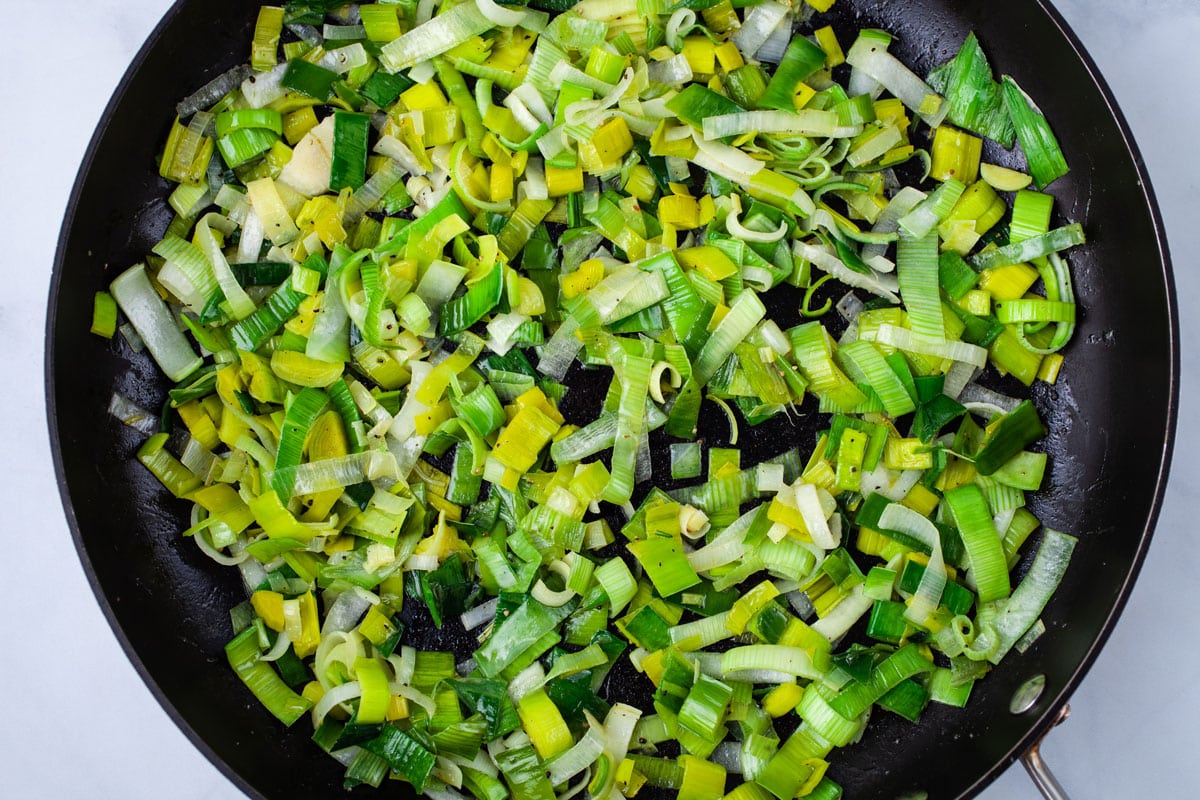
[79,723]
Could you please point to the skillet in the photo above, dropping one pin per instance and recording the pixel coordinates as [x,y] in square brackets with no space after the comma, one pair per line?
[1111,414]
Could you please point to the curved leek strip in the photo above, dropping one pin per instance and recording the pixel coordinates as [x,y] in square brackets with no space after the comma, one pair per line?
[336,696]
[735,228]
[933,580]
[544,595]
[835,624]
[282,643]
[727,547]
[1057,279]
[499,15]
[618,729]
[242,654]
[730,417]
[585,115]
[373,190]
[806,309]
[582,755]
[773,658]
[202,541]
[239,302]
[815,710]
[663,371]
[420,698]
[678,25]
[457,159]
[1029,599]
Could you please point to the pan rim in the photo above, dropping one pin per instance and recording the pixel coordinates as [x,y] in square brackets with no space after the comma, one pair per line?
[1037,728]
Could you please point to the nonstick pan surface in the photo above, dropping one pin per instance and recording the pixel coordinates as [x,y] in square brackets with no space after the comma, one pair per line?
[1111,415]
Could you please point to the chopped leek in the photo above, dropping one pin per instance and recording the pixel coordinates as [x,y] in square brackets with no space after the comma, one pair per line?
[408,234]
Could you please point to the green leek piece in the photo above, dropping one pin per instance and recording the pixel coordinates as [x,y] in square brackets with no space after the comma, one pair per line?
[746,85]
[178,479]
[301,415]
[858,697]
[800,60]
[382,89]
[463,312]
[104,315]
[955,276]
[792,766]
[264,50]
[460,95]
[266,273]
[887,622]
[350,132]
[403,754]
[908,699]
[445,31]
[1035,247]
[252,332]
[864,362]
[244,145]
[685,460]
[635,381]
[917,269]
[528,623]
[380,22]
[981,541]
[309,79]
[665,564]
[249,119]
[524,774]
[955,598]
[260,678]
[975,99]
[1014,432]
[1031,212]
[617,583]
[696,102]
[490,699]
[1042,152]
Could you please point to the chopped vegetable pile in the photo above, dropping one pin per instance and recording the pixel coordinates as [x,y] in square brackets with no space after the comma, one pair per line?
[405,229]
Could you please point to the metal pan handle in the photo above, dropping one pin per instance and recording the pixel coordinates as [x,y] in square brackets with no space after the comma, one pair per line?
[1039,770]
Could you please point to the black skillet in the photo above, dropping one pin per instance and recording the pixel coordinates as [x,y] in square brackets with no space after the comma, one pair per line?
[1111,415]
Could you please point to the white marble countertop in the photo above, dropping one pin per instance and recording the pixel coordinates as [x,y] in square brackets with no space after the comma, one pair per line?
[80,723]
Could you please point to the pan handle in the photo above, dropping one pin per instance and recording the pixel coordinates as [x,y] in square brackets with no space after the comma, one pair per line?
[1039,770]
